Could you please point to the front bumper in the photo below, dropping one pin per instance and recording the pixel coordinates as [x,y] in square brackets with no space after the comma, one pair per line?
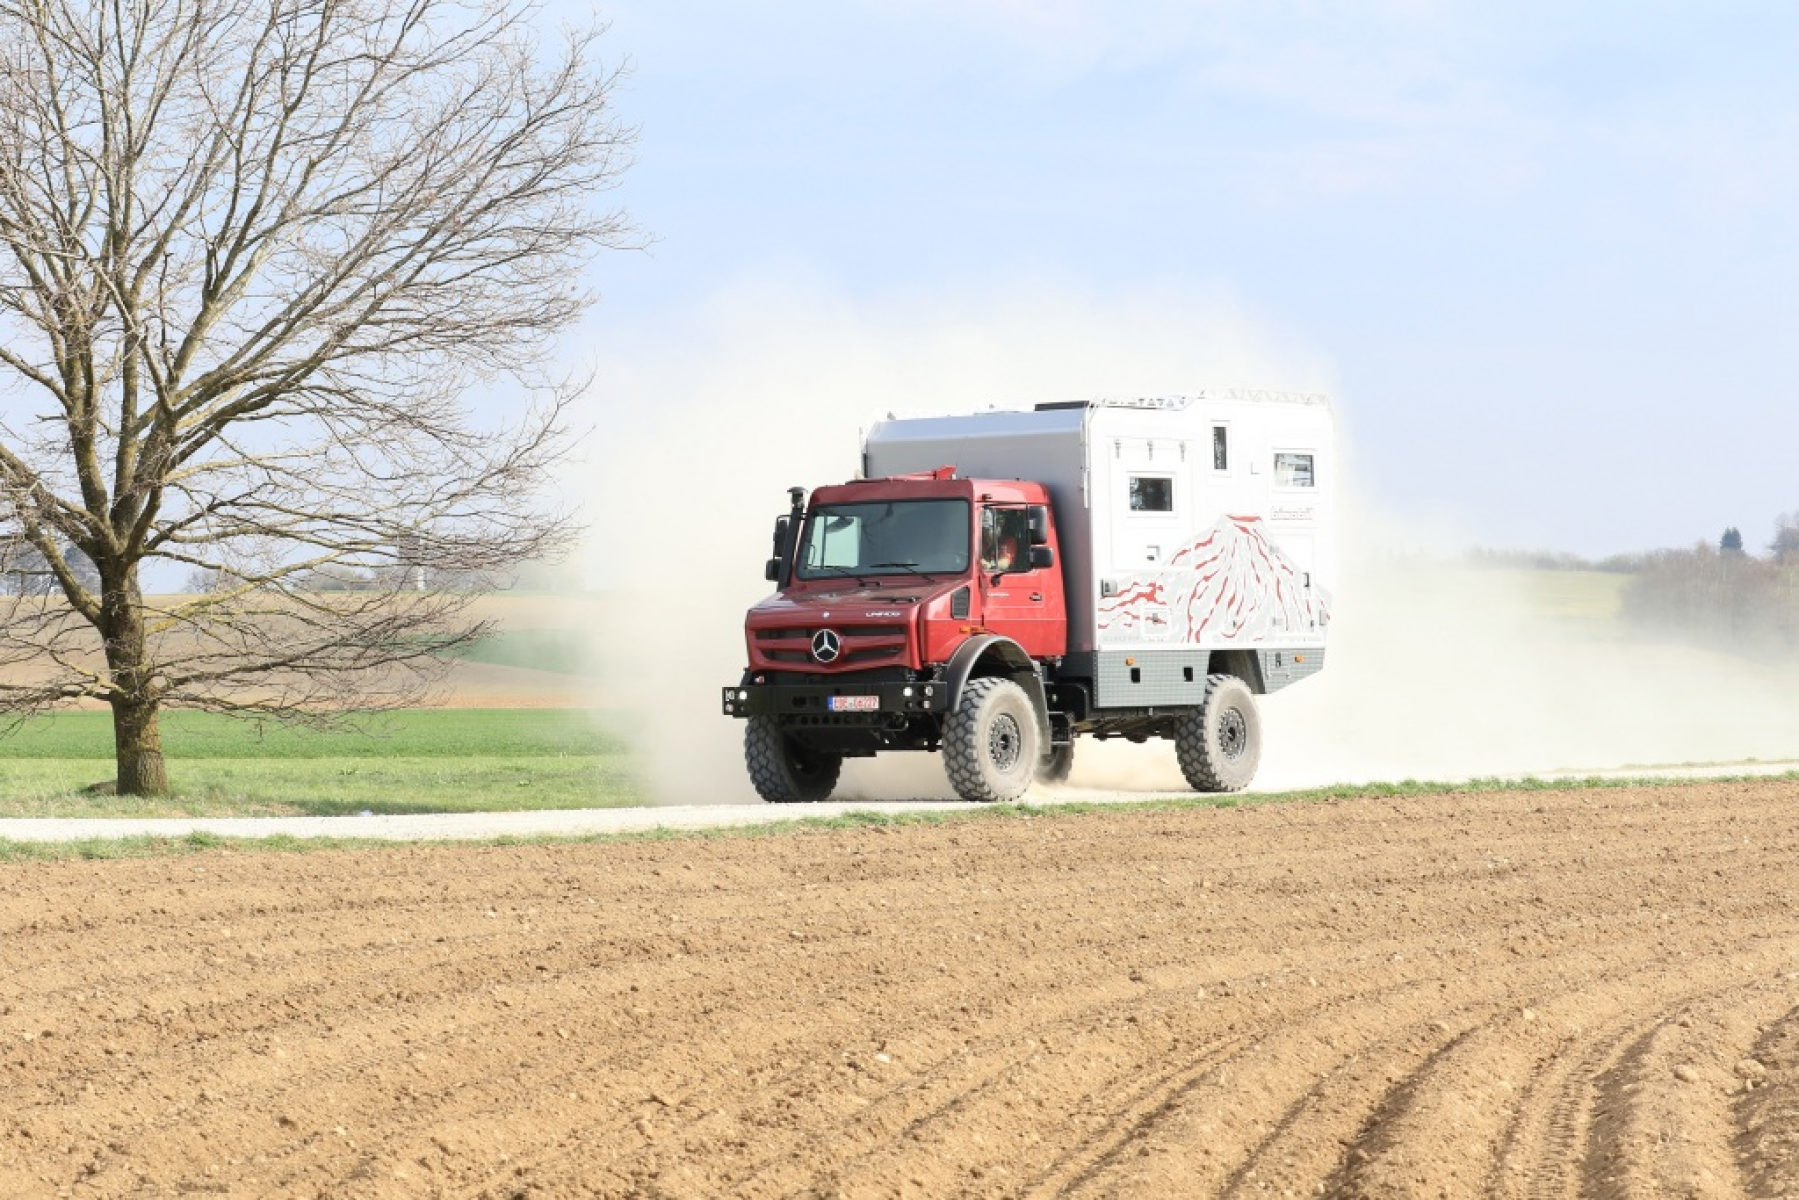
[812,701]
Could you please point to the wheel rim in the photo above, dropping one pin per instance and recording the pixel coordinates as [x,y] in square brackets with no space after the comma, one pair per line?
[1003,742]
[1233,733]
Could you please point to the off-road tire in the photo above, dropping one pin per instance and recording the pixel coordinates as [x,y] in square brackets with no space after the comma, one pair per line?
[1055,766]
[990,742]
[1219,744]
[784,771]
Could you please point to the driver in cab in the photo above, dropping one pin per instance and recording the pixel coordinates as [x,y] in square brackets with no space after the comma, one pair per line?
[1002,541]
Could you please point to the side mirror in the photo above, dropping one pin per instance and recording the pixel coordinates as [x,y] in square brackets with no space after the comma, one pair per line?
[1042,556]
[1039,519]
[771,571]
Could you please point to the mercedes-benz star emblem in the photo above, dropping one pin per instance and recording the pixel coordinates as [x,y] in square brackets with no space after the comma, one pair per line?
[826,645]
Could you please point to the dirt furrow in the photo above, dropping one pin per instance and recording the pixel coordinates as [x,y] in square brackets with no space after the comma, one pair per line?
[1767,1110]
[1530,995]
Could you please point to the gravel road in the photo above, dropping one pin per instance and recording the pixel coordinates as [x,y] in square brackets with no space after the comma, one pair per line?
[431,827]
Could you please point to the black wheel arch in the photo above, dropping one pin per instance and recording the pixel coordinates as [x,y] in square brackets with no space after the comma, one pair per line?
[991,654]
[1244,664]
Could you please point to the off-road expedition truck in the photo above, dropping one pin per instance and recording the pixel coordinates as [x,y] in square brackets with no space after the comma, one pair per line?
[994,585]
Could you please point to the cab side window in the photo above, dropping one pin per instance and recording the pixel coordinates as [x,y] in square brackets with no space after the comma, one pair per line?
[1005,540]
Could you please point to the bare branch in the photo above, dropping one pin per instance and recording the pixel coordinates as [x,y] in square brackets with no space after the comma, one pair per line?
[252,255]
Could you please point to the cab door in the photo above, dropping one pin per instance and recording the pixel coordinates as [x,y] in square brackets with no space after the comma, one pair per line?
[1018,600]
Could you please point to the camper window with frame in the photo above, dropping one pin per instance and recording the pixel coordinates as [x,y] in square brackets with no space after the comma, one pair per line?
[1292,470]
[1152,494]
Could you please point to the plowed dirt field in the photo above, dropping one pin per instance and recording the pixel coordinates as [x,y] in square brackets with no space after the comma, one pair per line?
[1548,994]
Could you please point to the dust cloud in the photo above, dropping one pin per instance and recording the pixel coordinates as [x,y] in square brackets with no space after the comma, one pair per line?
[1448,672]
[1442,671]
[1432,672]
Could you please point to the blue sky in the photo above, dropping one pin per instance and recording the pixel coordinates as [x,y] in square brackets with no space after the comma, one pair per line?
[1543,255]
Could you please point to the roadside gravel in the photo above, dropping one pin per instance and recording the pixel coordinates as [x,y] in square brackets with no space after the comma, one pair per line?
[450,827]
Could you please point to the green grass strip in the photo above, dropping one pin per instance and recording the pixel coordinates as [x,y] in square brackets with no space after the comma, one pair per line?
[411,733]
[416,761]
[326,787]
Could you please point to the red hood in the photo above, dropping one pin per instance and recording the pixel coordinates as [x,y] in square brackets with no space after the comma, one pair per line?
[878,625]
[850,601]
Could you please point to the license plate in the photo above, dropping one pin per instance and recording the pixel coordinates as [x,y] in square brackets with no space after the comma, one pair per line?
[855,704]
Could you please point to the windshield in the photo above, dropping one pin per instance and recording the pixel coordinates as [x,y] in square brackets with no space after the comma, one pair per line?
[888,537]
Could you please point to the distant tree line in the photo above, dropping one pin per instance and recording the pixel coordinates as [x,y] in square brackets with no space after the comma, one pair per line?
[405,566]
[1784,548]
[399,573]
[1554,560]
[1723,594]
[26,570]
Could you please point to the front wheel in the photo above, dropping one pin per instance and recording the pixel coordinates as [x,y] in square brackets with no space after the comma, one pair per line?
[1219,744]
[990,742]
[784,771]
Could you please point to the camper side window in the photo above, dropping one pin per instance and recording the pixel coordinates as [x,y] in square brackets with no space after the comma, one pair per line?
[1221,447]
[1152,493]
[1292,470]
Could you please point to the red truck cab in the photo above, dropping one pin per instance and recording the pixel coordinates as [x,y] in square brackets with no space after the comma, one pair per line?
[901,572]
[915,612]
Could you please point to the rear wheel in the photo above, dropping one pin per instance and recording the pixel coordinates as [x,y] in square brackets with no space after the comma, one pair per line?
[1219,744]
[1055,766]
[783,770]
[990,742]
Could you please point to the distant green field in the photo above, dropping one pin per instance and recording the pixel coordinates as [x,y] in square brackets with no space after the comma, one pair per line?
[419,732]
[1589,603]
[1583,596]
[421,760]
[561,651]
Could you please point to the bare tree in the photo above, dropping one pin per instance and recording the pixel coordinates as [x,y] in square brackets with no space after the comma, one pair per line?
[1784,549]
[253,256]
[1745,604]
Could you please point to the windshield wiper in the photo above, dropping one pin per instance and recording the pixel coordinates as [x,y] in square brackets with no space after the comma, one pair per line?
[909,566]
[851,572]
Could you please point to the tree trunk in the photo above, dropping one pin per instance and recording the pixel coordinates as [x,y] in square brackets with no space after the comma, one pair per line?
[137,735]
[137,738]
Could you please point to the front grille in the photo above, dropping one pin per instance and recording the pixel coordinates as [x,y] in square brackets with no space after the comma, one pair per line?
[863,646]
[847,631]
[851,655]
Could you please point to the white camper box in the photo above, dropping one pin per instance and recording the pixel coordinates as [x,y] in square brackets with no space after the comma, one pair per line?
[1188,526]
